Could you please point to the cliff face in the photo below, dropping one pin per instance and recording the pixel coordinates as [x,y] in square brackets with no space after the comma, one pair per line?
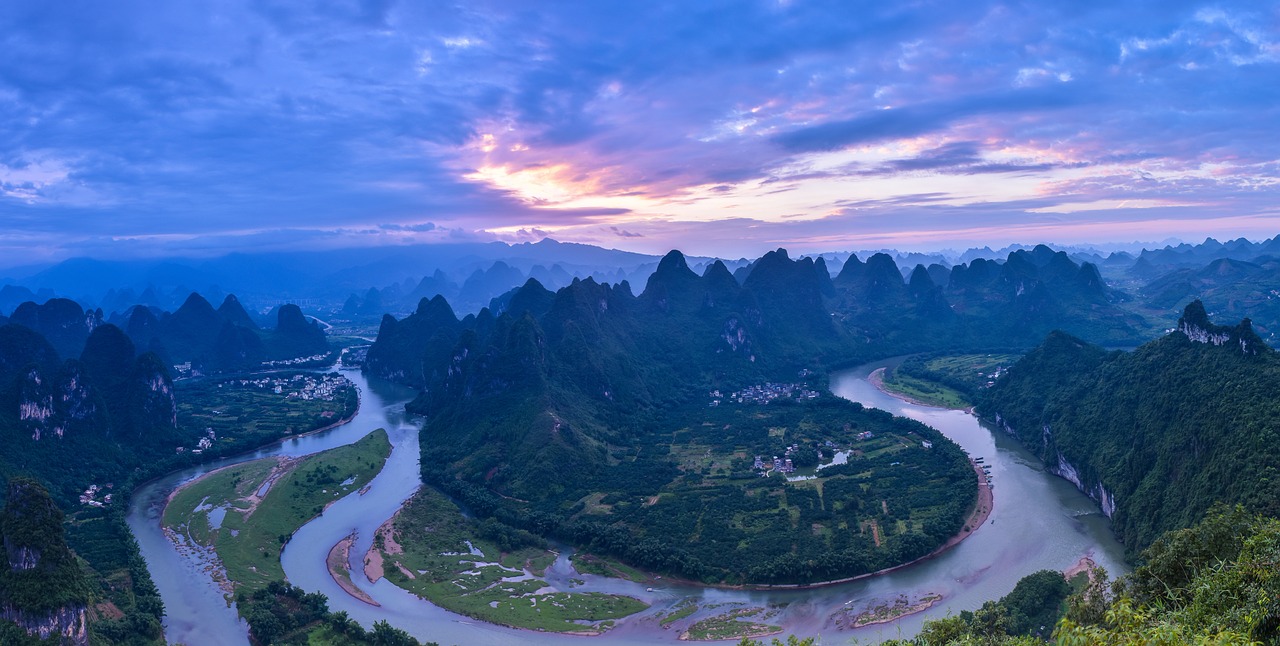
[1155,436]
[1196,326]
[69,625]
[42,588]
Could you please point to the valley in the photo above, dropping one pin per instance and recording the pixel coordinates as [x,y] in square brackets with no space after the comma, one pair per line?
[690,462]
[1042,536]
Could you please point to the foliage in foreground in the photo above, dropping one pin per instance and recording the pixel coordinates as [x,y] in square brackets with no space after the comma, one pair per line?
[1216,583]
[284,614]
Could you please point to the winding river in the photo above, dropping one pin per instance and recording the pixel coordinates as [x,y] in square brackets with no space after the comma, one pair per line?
[1039,522]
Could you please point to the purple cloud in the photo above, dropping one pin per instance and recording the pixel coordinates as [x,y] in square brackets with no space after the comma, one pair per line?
[646,124]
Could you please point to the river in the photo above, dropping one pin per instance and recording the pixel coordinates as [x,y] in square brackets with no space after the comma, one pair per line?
[1039,522]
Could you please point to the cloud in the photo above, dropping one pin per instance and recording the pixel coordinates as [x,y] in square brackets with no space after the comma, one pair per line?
[913,120]
[416,228]
[165,123]
[625,234]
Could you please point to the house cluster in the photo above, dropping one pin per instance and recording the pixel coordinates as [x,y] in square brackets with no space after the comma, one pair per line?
[282,363]
[355,355]
[991,378]
[324,388]
[866,435]
[763,394]
[304,387]
[90,496]
[779,464]
[205,443]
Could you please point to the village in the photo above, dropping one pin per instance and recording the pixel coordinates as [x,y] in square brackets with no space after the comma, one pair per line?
[204,444]
[308,387]
[297,361]
[763,394]
[90,496]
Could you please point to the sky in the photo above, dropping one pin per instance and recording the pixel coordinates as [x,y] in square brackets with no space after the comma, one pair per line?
[719,128]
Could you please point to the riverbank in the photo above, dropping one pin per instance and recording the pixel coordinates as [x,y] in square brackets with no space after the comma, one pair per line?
[876,378]
[338,562]
[247,512]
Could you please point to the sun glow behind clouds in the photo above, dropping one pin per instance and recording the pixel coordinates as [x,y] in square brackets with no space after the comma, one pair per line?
[791,121]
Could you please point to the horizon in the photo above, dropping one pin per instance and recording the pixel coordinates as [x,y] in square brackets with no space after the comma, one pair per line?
[25,271]
[723,131]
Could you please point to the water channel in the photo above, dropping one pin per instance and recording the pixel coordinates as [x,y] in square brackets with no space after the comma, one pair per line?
[1039,522]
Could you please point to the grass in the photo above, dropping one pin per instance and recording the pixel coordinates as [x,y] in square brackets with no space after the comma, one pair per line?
[253,532]
[188,511]
[604,566]
[927,392]
[437,542]
[727,626]
[685,609]
[974,371]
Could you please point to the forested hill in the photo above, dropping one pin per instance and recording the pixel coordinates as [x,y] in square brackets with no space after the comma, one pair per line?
[1156,435]
[561,377]
[42,587]
[627,425]
[555,378]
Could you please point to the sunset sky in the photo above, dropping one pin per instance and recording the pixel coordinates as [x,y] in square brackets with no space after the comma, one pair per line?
[723,128]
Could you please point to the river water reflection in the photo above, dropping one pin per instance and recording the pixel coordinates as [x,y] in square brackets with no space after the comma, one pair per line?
[1039,522]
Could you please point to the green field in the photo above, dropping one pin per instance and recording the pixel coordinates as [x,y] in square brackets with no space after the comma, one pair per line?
[457,564]
[604,566]
[254,530]
[247,411]
[924,391]
[686,499]
[699,490]
[951,381]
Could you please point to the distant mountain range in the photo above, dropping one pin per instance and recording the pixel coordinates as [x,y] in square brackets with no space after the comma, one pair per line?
[210,340]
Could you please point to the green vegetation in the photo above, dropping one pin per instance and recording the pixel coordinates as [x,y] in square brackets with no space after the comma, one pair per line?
[923,391]
[253,528]
[1027,615]
[109,417]
[1157,435]
[1213,583]
[107,587]
[459,564]
[689,501]
[1232,288]
[604,566]
[684,609]
[126,603]
[881,611]
[583,414]
[949,380]
[731,624]
[246,411]
[39,573]
[282,614]
[792,640]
